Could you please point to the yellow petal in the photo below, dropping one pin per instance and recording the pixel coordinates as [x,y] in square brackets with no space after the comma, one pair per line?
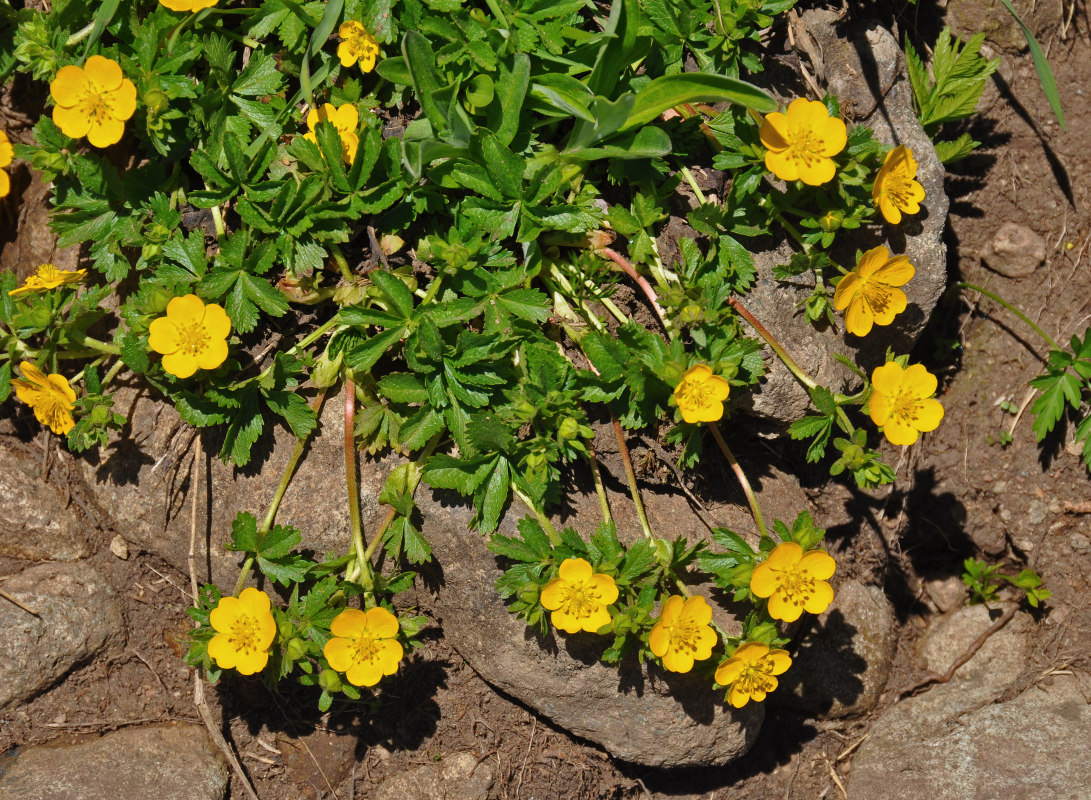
[847,289]
[737,697]
[817,172]
[818,564]
[122,101]
[552,594]
[350,29]
[346,118]
[706,640]
[887,378]
[897,271]
[186,310]
[5,187]
[73,122]
[763,581]
[785,555]
[898,432]
[575,570]
[381,623]
[60,387]
[605,588]
[729,671]
[672,607]
[564,621]
[345,53]
[179,364]
[224,614]
[879,408]
[390,654]
[820,600]
[781,661]
[891,213]
[858,317]
[339,652]
[222,652]
[365,673]
[595,620]
[60,421]
[929,415]
[103,74]
[677,661]
[351,622]
[251,663]
[163,336]
[659,639]
[177,5]
[214,354]
[885,303]
[871,261]
[32,373]
[106,132]
[697,610]
[783,164]
[216,321]
[923,382]
[781,608]
[69,86]
[774,131]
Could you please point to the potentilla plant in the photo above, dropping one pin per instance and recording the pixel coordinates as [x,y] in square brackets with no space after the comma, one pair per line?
[428,207]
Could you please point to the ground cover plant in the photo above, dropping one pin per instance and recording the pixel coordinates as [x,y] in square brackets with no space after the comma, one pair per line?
[262,230]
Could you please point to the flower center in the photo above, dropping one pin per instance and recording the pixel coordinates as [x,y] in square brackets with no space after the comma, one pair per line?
[797,585]
[905,405]
[695,394]
[684,636]
[366,649]
[243,634]
[757,678]
[96,107]
[192,338]
[898,188]
[877,294]
[806,145]
[581,599]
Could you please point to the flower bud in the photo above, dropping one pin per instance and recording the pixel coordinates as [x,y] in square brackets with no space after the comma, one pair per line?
[569,429]
[831,220]
[330,681]
[296,649]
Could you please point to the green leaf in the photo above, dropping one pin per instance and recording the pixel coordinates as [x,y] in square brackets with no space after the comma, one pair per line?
[1049,407]
[669,91]
[463,475]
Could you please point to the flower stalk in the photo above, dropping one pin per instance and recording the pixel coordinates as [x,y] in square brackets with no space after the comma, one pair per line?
[751,498]
[630,476]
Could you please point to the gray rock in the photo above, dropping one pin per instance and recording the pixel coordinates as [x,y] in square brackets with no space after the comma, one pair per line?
[640,715]
[851,76]
[462,776]
[143,482]
[947,593]
[78,617]
[968,17]
[1015,251]
[38,523]
[173,762]
[843,661]
[962,741]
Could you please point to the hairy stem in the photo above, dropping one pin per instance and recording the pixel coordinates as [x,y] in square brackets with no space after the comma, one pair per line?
[361,568]
[640,280]
[772,341]
[547,526]
[975,288]
[751,498]
[630,476]
[600,490]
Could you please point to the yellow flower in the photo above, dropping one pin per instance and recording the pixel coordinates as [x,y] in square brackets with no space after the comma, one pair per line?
[346,119]
[896,191]
[802,142]
[245,630]
[192,6]
[868,292]
[48,277]
[682,635]
[902,403]
[93,101]
[700,396]
[794,581]
[364,647]
[7,153]
[578,597]
[190,336]
[49,395]
[750,672]
[357,45]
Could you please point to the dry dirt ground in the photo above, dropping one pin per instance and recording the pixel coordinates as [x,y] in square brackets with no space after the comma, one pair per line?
[959,493]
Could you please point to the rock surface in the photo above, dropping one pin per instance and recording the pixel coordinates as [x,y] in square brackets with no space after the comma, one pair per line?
[37,523]
[143,485]
[852,66]
[964,740]
[1015,251]
[843,660]
[462,776]
[172,762]
[78,617]
[641,714]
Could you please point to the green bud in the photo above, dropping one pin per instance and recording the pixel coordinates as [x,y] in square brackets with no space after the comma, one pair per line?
[155,101]
[529,593]
[570,428]
[296,649]
[330,680]
[100,415]
[831,220]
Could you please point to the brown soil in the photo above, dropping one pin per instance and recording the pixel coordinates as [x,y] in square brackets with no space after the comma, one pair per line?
[959,493]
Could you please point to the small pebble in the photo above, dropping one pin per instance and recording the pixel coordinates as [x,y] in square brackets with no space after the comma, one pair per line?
[119,547]
[1015,251]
